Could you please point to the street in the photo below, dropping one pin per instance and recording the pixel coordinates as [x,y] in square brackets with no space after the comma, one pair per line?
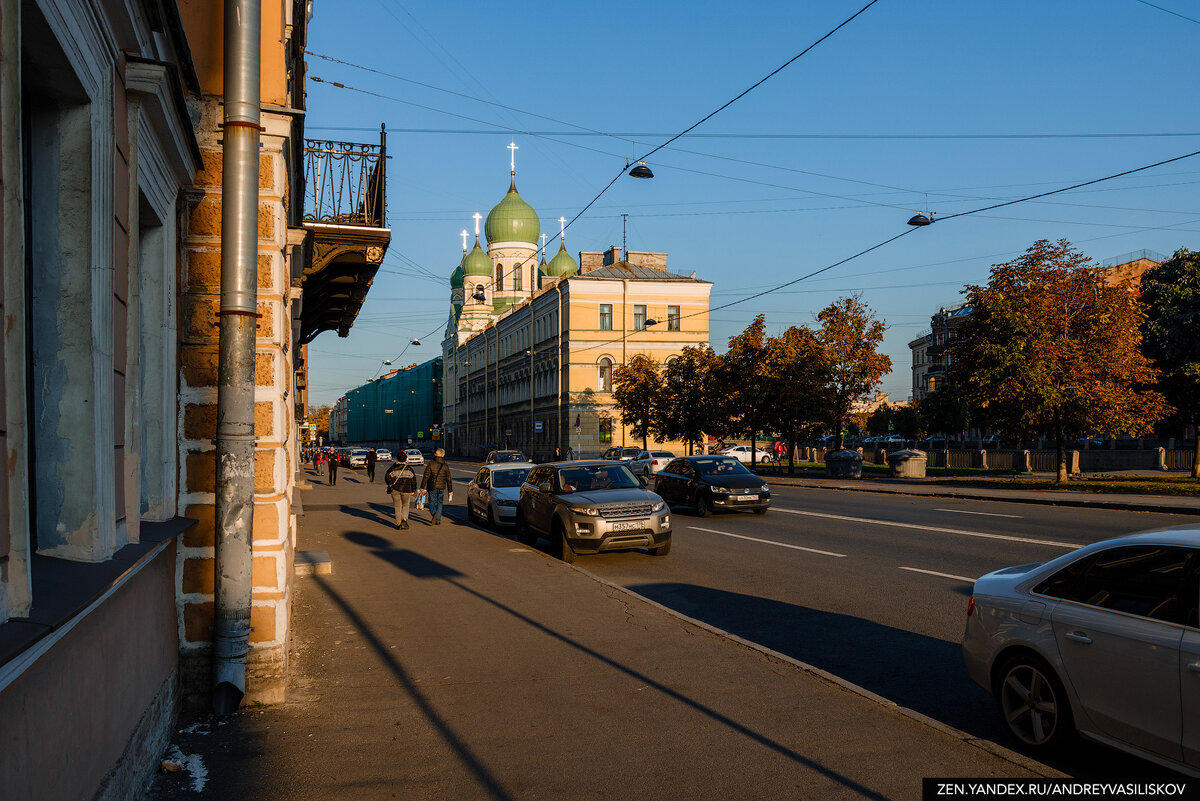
[871,588]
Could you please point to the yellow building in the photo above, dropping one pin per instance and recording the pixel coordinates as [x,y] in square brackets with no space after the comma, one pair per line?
[530,347]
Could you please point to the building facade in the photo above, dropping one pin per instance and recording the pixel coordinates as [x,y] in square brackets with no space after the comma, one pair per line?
[531,346]
[401,409]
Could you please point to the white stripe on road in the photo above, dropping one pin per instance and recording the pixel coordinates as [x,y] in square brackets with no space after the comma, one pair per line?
[765,542]
[943,575]
[1052,543]
[987,514]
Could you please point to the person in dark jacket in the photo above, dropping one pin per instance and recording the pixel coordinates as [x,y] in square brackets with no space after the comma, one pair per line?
[334,459]
[372,458]
[435,481]
[401,483]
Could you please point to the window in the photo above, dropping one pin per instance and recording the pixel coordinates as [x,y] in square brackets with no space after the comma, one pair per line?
[672,318]
[606,317]
[516,276]
[499,277]
[605,382]
[639,318]
[606,429]
[1143,580]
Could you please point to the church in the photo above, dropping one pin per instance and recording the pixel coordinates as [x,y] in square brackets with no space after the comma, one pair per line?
[531,345]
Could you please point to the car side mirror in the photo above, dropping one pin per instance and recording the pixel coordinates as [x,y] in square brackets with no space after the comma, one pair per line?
[546,486]
[645,480]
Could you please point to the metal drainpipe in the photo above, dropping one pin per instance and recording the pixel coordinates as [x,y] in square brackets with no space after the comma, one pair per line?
[235,367]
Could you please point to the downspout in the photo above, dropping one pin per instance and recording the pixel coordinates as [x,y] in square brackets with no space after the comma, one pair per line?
[235,366]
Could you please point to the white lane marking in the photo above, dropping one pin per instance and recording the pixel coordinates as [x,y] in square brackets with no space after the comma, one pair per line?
[1052,543]
[766,542]
[943,575]
[987,514]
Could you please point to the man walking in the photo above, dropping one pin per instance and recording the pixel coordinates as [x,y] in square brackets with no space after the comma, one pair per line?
[401,483]
[334,459]
[372,457]
[435,481]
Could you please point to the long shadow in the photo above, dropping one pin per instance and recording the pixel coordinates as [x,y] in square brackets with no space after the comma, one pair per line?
[422,567]
[377,513]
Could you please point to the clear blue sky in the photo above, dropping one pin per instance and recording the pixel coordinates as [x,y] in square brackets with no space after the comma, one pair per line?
[864,126]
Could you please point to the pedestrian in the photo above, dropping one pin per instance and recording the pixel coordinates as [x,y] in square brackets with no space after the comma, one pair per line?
[401,483]
[436,481]
[372,457]
[334,459]
[558,454]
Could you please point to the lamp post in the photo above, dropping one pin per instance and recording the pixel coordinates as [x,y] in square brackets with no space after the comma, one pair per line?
[530,352]
[467,402]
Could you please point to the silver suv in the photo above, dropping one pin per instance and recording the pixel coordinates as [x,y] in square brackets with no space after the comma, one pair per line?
[589,507]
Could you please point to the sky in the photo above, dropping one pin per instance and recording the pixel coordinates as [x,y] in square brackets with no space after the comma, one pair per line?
[939,106]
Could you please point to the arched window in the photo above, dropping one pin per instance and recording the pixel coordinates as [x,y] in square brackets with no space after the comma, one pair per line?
[517,270]
[478,291]
[605,382]
[499,277]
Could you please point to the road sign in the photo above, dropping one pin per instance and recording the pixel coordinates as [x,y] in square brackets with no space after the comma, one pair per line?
[537,427]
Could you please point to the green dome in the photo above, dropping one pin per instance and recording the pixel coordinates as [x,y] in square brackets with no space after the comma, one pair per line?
[562,264]
[456,277]
[476,263]
[512,220]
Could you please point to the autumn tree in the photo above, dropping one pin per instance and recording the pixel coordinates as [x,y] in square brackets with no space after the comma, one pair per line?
[797,369]
[637,392]
[1171,335]
[1051,348]
[685,412]
[743,391]
[881,421]
[850,336]
[320,416]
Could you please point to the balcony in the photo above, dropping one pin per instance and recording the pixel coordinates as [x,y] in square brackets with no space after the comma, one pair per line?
[346,221]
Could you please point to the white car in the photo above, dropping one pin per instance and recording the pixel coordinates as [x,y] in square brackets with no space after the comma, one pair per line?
[493,494]
[1103,642]
[413,456]
[358,457]
[383,454]
[648,463]
[742,454]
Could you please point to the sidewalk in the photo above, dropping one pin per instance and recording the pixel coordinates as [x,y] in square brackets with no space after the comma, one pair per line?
[451,663]
[1170,504]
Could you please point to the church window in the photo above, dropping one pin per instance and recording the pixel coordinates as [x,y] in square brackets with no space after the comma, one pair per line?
[499,277]
[516,276]
[606,370]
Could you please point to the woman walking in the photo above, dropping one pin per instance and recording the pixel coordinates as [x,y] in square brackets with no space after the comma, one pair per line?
[401,483]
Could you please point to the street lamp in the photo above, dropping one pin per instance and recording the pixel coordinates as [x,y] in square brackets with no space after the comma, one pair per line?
[640,170]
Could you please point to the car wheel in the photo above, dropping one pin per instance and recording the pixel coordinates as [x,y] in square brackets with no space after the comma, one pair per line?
[700,506]
[470,511]
[1033,703]
[525,534]
[564,548]
[661,550]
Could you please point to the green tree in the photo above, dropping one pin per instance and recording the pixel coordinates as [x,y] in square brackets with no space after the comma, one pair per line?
[1171,335]
[881,421]
[797,371]
[945,410]
[908,423]
[1050,347]
[850,336]
[687,400]
[743,398]
[637,392]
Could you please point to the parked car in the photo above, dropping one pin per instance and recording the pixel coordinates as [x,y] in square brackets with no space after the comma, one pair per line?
[383,454]
[591,506]
[427,450]
[706,484]
[742,454]
[493,494]
[1103,642]
[357,458]
[499,457]
[413,456]
[648,463]
[621,454]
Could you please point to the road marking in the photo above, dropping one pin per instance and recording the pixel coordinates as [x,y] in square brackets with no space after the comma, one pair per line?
[766,542]
[943,575]
[1052,543]
[988,514]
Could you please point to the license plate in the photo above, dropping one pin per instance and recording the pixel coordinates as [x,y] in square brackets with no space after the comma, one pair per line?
[631,526]
[747,497]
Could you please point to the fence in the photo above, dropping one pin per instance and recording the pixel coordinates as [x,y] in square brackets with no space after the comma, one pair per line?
[1039,461]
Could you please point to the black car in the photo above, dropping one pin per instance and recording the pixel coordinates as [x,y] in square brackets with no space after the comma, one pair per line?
[706,484]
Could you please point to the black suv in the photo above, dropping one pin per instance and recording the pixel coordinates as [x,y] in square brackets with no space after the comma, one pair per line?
[589,507]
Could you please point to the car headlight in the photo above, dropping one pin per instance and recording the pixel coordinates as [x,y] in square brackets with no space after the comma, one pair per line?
[658,507]
[587,511]
[765,488]
[721,490]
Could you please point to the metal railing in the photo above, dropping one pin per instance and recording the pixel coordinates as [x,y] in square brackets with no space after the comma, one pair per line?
[346,182]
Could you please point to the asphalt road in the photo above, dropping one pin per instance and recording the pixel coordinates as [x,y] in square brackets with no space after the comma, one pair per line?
[872,588]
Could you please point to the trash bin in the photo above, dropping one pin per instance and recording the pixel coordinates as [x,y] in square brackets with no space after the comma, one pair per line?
[908,463]
[843,463]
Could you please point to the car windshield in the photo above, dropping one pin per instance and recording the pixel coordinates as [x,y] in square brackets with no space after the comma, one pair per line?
[510,456]
[662,455]
[514,477]
[719,466]
[596,477]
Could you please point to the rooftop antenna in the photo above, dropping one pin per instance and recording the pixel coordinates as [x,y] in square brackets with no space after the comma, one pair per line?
[624,250]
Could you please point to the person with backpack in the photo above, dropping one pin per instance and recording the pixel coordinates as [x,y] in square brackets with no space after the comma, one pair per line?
[436,481]
[401,483]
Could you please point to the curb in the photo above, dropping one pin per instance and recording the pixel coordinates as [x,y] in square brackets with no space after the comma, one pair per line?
[1125,506]
[995,749]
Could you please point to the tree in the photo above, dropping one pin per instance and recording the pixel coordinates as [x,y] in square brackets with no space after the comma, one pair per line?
[686,408]
[1050,347]
[637,391]
[908,423]
[743,391]
[797,372]
[881,421]
[1171,334]
[850,336]
[945,410]
[320,416]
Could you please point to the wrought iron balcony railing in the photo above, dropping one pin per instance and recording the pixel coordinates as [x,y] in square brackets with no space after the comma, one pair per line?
[346,182]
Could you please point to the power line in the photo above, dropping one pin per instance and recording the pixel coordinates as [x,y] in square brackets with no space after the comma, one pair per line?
[1168,11]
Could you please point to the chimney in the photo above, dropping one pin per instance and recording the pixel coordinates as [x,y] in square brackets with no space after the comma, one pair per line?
[612,255]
